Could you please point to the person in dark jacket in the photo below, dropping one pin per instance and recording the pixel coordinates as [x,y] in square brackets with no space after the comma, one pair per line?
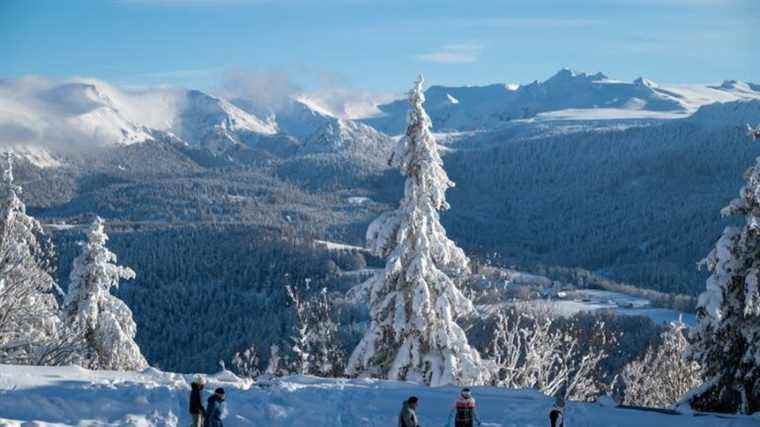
[408,415]
[557,414]
[215,409]
[196,403]
[464,413]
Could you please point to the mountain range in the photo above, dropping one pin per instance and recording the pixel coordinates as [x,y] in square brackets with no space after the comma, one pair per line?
[625,180]
[577,94]
[46,118]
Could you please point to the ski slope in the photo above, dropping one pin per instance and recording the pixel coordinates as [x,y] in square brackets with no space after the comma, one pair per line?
[72,396]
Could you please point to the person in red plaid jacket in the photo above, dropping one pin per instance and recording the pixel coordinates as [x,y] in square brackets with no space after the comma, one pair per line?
[464,413]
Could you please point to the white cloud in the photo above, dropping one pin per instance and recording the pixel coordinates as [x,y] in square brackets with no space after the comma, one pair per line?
[268,87]
[75,113]
[453,54]
[271,89]
[79,113]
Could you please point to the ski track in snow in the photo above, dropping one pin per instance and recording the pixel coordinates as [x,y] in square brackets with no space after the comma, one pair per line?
[72,396]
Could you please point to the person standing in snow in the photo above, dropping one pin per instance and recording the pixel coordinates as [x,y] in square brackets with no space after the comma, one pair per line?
[408,415]
[196,403]
[464,414]
[557,414]
[214,409]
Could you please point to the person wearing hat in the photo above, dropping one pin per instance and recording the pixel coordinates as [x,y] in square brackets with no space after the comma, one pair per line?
[215,409]
[197,413]
[464,414]
[408,415]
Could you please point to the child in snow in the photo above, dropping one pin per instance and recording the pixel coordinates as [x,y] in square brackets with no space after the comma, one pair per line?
[214,409]
[408,415]
[556,414]
[464,413]
[196,404]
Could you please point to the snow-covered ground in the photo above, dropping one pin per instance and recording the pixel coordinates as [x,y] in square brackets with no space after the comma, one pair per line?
[589,300]
[335,246]
[625,305]
[72,396]
[581,114]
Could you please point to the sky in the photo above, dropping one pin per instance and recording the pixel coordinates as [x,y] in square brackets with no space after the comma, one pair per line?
[378,45]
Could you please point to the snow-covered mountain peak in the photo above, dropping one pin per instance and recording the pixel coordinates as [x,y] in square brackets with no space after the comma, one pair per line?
[491,106]
[312,106]
[223,114]
[567,75]
[105,124]
[216,124]
[645,83]
[349,137]
[739,86]
[92,114]
[297,116]
[76,98]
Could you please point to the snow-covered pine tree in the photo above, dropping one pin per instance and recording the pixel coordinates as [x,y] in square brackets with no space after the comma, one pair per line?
[29,321]
[663,375]
[726,340]
[414,303]
[107,324]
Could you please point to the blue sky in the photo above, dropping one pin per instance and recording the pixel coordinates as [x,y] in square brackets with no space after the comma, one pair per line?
[379,46]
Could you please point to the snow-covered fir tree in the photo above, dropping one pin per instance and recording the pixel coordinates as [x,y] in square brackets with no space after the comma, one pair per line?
[107,324]
[663,375]
[726,340]
[29,315]
[415,302]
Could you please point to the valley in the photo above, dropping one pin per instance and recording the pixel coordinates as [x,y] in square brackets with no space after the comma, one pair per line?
[221,183]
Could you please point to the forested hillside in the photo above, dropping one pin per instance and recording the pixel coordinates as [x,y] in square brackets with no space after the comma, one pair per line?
[640,205]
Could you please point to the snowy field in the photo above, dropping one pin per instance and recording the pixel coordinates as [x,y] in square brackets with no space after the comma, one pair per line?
[589,300]
[71,396]
[622,304]
[583,114]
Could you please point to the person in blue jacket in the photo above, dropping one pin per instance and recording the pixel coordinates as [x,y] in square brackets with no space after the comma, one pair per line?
[214,409]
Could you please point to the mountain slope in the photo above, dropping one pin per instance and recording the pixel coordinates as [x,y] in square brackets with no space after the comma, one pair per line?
[343,136]
[293,117]
[729,114]
[216,124]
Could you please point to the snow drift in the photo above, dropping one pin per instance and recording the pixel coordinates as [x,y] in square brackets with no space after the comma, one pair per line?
[72,396]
